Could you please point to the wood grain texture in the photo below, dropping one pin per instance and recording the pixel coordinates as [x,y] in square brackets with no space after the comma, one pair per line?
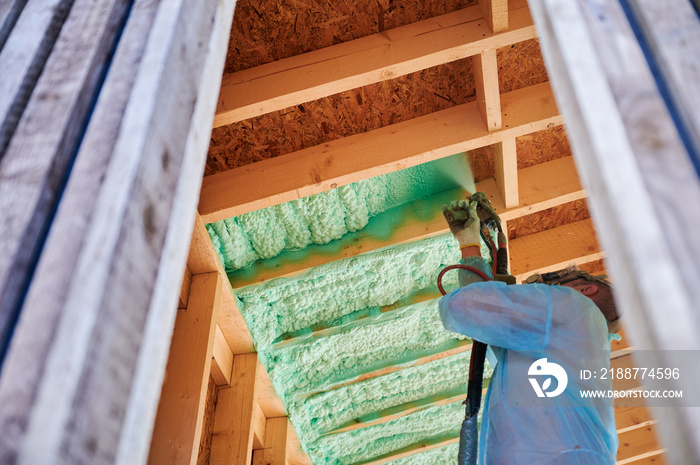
[617,123]
[506,172]
[93,388]
[392,53]
[43,117]
[488,98]
[496,14]
[233,425]
[317,169]
[178,426]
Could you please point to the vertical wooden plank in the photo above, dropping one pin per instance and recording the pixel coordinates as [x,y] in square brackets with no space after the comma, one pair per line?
[232,443]
[178,425]
[36,150]
[84,371]
[222,359]
[506,172]
[259,423]
[495,13]
[488,97]
[185,289]
[277,438]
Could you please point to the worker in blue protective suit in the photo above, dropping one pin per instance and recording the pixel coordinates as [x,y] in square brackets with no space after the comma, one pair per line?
[531,327]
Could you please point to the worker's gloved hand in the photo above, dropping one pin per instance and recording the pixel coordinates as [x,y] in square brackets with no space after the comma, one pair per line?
[463,221]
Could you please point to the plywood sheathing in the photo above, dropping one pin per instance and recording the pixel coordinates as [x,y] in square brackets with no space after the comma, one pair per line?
[542,146]
[269,30]
[520,65]
[341,115]
[548,219]
[481,162]
[207,424]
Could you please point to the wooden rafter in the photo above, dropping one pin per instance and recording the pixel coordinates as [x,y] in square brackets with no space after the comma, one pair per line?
[379,57]
[343,161]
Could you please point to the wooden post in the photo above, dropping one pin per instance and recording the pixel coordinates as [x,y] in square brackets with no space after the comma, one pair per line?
[495,13]
[488,97]
[506,172]
[232,443]
[178,426]
[276,441]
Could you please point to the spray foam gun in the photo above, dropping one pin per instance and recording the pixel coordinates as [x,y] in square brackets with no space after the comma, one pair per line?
[488,220]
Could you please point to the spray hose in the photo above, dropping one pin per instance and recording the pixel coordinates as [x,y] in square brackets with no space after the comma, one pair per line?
[469,432]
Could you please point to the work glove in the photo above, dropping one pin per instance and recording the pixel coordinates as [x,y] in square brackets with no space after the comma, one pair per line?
[463,221]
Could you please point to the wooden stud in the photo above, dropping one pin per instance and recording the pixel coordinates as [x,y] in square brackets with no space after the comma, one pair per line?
[178,425]
[232,442]
[375,58]
[488,98]
[276,442]
[320,168]
[495,12]
[259,422]
[222,359]
[637,441]
[185,289]
[506,172]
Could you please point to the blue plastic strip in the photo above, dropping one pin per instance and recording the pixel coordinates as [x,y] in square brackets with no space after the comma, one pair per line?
[662,84]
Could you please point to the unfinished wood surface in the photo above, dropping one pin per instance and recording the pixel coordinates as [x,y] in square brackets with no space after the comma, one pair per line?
[636,441]
[495,12]
[233,426]
[222,358]
[655,457]
[673,35]
[488,98]
[506,172]
[618,123]
[554,249]
[266,397]
[258,425]
[96,322]
[274,451]
[351,159]
[541,186]
[386,55]
[203,259]
[185,289]
[28,32]
[178,427]
[42,115]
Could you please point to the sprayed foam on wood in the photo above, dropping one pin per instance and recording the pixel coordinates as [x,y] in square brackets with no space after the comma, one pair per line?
[207,424]
[341,115]
[520,65]
[548,219]
[542,146]
[269,30]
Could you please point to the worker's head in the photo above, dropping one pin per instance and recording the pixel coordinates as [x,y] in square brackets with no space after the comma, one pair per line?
[596,288]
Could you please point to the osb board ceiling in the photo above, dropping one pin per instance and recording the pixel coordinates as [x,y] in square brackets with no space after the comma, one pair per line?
[270,30]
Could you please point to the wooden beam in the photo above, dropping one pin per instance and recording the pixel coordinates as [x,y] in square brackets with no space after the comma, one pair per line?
[495,13]
[266,397]
[232,441]
[178,425]
[654,457]
[203,259]
[274,451]
[488,98]
[185,289]
[637,441]
[222,359]
[617,122]
[375,58]
[91,347]
[343,161]
[554,249]
[295,453]
[506,172]
[541,187]
[259,421]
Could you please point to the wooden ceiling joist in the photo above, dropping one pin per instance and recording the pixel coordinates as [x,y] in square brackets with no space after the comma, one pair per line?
[364,61]
[344,161]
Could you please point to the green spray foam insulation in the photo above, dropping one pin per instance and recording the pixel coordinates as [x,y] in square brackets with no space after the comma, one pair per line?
[319,219]
[437,456]
[318,331]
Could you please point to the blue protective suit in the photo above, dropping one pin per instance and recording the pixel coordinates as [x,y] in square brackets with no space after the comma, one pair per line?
[530,322]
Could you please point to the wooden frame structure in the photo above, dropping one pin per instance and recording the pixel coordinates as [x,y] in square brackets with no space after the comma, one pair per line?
[82,377]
